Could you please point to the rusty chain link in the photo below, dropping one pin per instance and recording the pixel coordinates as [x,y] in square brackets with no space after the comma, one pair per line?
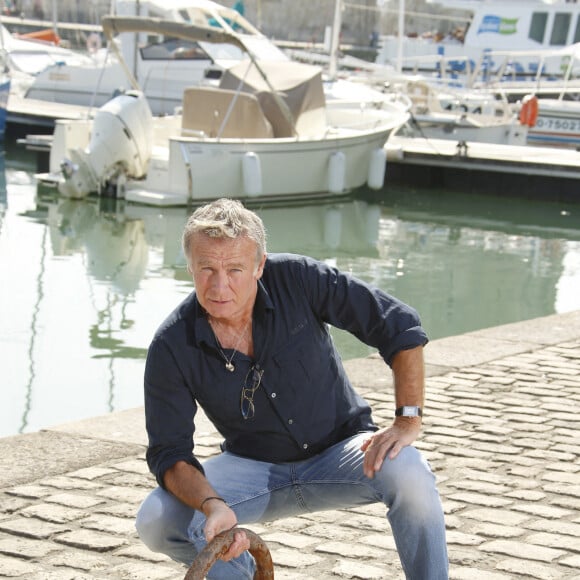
[220,544]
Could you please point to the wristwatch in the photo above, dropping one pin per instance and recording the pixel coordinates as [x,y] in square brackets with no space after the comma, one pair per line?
[409,411]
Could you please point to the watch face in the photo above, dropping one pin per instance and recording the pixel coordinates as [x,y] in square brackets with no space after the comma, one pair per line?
[410,411]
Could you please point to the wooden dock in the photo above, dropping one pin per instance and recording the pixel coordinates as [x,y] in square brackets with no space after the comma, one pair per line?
[528,171]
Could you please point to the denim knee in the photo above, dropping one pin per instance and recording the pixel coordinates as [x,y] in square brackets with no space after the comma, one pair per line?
[162,521]
[408,482]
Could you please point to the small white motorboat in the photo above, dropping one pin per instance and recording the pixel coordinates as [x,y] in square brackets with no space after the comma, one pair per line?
[264,132]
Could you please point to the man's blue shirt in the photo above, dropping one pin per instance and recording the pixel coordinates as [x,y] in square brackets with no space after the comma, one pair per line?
[305,402]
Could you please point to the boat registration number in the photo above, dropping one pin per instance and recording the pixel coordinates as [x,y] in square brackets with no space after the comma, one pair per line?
[562,125]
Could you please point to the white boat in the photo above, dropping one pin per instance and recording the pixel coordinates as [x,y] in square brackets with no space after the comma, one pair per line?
[265,132]
[163,66]
[495,25]
[555,123]
[459,115]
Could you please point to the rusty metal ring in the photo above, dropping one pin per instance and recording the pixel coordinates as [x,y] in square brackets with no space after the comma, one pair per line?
[220,544]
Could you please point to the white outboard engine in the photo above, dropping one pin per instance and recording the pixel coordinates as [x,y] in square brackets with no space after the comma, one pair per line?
[120,147]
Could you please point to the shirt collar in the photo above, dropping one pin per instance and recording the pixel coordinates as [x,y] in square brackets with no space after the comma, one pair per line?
[202,330]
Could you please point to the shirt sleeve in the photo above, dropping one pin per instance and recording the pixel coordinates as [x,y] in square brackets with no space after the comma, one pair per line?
[372,315]
[169,410]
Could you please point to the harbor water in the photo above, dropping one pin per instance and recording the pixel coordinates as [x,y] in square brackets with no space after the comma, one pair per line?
[84,284]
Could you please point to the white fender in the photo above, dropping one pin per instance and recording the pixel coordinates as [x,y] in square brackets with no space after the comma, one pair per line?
[377,168]
[252,174]
[336,172]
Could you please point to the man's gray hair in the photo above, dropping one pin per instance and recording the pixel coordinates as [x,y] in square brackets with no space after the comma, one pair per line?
[225,218]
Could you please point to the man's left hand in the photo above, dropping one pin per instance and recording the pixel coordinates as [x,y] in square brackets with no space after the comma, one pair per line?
[389,442]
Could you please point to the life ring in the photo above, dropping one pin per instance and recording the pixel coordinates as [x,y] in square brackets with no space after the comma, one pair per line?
[529,110]
[93,42]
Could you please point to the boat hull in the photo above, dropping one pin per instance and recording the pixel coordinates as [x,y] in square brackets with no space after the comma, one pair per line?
[558,124]
[200,170]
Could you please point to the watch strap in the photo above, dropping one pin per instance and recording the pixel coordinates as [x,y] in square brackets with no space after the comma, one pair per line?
[409,411]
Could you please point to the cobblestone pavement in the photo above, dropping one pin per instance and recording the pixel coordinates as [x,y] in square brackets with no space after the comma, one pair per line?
[502,433]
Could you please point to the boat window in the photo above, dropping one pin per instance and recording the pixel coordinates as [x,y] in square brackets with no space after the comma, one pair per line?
[172,49]
[577,32]
[538,26]
[560,29]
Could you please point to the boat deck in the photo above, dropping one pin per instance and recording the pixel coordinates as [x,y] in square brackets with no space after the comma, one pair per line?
[25,112]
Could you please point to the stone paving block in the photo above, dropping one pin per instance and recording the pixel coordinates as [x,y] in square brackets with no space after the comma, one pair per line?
[522,550]
[463,539]
[571,561]
[468,573]
[289,540]
[541,510]
[569,543]
[90,540]
[527,494]
[383,541]
[74,500]
[480,486]
[125,494]
[121,510]
[54,513]
[571,503]
[133,466]
[346,569]
[13,568]
[294,558]
[562,477]
[529,569]
[562,489]
[555,527]
[363,523]
[9,505]
[480,499]
[140,552]
[143,571]
[349,549]
[26,548]
[328,531]
[61,574]
[78,559]
[64,482]
[32,528]
[109,524]
[132,480]
[92,473]
[30,491]
[496,531]
[502,517]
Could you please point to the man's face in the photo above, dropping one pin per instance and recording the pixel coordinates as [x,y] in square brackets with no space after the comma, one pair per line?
[225,274]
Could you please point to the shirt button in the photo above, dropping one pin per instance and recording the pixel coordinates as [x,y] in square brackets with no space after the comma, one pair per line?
[273,395]
[290,421]
[305,446]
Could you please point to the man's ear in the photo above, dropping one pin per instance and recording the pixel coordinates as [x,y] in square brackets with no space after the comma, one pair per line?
[260,268]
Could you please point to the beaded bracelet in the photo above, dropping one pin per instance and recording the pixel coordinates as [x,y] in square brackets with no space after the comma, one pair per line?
[211,497]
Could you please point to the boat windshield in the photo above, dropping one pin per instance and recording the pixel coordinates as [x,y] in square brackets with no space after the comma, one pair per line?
[260,47]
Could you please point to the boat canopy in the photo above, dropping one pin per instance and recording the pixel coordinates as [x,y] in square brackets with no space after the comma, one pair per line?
[113,25]
[298,85]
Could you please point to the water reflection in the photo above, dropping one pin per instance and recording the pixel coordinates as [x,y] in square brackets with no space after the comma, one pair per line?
[86,283]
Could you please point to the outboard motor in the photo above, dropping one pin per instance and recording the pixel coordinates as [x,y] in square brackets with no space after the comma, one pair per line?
[120,147]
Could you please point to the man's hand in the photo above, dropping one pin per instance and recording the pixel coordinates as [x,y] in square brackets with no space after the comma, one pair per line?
[219,519]
[389,442]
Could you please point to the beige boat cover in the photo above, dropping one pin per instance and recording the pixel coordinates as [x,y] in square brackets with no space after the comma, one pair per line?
[299,85]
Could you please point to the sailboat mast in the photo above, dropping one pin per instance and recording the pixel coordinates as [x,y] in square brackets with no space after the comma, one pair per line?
[335,39]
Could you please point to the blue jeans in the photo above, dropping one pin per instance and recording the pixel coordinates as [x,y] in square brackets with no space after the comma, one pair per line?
[334,479]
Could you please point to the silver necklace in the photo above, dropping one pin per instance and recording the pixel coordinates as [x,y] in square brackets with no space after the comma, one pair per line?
[228,362]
